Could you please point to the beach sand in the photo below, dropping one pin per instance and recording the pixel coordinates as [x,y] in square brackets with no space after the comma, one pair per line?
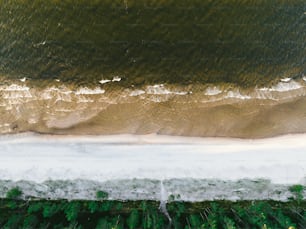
[137,167]
[101,158]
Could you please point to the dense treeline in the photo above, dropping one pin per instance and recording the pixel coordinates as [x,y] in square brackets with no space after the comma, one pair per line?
[110,214]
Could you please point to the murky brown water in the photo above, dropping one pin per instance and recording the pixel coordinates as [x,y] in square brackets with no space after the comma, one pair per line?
[162,109]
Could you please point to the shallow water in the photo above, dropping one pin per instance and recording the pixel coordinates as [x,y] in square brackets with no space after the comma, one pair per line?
[164,109]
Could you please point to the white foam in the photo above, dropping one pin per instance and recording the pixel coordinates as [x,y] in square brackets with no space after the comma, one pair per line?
[281,87]
[286,80]
[62,90]
[157,90]
[59,94]
[212,91]
[88,91]
[181,92]
[46,95]
[263,94]
[14,87]
[104,81]
[23,79]
[304,78]
[84,100]
[236,95]
[17,95]
[14,91]
[116,79]
[137,92]
[160,89]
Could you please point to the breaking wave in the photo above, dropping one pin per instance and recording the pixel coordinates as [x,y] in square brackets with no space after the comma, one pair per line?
[129,110]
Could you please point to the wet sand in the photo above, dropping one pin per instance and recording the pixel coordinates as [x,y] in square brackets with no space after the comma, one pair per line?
[240,119]
[202,111]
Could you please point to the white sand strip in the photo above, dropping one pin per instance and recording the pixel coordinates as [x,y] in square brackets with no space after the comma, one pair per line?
[38,158]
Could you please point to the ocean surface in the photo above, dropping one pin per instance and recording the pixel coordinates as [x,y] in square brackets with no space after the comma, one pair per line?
[197,68]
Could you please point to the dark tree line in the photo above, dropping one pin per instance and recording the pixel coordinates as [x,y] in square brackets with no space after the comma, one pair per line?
[106,214]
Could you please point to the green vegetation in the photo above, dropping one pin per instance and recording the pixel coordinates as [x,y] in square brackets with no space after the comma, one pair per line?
[101,195]
[146,214]
[297,191]
[241,42]
[14,193]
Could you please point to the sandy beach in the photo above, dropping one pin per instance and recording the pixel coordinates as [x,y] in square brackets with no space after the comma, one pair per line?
[38,158]
[186,164]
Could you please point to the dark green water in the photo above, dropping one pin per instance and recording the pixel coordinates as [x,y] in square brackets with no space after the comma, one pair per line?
[246,43]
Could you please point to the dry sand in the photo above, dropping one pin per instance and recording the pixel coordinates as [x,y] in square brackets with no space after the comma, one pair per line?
[39,158]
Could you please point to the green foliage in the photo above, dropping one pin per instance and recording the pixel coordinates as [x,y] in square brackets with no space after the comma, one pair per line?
[229,223]
[146,214]
[151,218]
[119,206]
[297,191]
[106,206]
[195,221]
[35,207]
[93,206]
[102,223]
[14,193]
[73,225]
[14,221]
[72,211]
[109,223]
[12,205]
[174,197]
[30,221]
[282,220]
[133,219]
[49,210]
[101,195]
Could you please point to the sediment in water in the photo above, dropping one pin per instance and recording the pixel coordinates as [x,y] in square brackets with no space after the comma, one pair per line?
[192,110]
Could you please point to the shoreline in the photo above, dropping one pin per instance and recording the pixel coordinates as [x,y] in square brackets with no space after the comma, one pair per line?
[135,137]
[198,110]
[151,138]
